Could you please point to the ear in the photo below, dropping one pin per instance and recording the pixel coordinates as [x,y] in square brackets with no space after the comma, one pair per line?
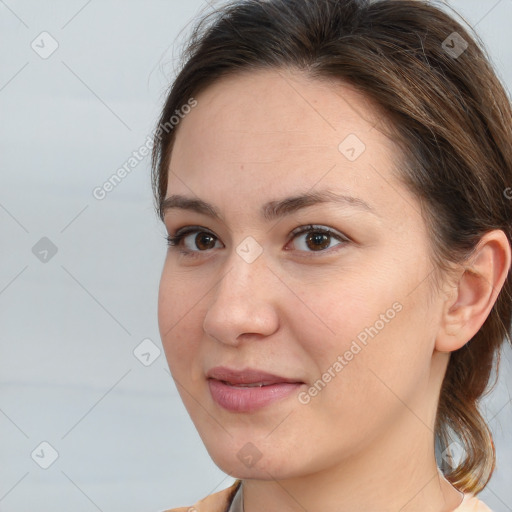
[474,292]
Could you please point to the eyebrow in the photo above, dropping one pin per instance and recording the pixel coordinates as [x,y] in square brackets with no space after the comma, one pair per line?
[270,211]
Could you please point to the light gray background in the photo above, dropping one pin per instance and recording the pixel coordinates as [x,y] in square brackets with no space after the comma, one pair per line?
[69,326]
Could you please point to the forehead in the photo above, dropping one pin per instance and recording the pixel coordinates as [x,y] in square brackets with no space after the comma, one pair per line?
[278,106]
[276,131]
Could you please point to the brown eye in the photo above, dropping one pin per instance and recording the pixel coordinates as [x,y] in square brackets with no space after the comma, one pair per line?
[204,241]
[318,239]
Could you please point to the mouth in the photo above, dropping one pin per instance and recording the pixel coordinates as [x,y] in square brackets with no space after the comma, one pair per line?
[248,390]
[253,385]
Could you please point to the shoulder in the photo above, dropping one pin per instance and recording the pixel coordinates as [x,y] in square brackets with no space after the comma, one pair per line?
[471,503]
[217,502]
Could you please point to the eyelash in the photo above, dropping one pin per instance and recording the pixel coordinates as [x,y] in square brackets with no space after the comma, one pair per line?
[175,241]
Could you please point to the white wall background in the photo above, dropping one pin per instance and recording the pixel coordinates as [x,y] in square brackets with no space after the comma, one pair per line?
[68,326]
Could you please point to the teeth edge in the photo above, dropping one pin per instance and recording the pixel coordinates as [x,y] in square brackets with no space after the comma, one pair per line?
[254,385]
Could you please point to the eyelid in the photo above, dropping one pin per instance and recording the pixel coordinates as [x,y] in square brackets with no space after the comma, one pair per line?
[185,230]
[320,228]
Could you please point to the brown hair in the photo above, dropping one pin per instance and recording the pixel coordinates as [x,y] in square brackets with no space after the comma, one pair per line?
[451,116]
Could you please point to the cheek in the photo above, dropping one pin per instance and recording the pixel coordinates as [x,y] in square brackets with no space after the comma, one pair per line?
[371,335]
[177,307]
[360,389]
[351,308]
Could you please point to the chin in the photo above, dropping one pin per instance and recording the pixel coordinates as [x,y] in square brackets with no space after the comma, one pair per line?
[244,460]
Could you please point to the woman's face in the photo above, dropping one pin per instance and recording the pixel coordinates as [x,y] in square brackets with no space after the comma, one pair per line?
[344,323]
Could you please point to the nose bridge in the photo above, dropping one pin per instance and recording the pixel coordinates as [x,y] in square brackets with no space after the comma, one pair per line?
[245,274]
[242,299]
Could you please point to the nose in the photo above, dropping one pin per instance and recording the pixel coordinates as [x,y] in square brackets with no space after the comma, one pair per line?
[243,304]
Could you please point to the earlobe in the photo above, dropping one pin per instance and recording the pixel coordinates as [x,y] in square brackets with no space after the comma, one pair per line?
[475,292]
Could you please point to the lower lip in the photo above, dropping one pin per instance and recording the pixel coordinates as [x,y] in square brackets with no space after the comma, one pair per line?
[245,399]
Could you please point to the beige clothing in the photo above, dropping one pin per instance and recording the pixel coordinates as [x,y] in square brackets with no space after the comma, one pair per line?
[471,503]
[229,500]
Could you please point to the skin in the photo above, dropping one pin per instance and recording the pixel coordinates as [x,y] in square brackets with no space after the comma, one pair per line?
[366,441]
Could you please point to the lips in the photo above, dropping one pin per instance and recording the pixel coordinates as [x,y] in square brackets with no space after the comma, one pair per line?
[249,389]
[248,376]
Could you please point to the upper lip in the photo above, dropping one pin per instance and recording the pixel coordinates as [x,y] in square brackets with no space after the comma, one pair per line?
[245,376]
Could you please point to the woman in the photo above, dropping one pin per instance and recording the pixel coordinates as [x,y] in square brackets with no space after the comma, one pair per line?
[337,285]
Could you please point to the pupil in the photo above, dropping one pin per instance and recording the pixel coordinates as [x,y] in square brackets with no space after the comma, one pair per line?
[201,237]
[317,239]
